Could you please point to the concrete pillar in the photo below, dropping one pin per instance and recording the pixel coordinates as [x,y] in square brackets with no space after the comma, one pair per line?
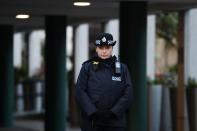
[190,44]
[81,54]
[112,27]
[150,64]
[81,47]
[35,48]
[69,47]
[18,46]
[6,75]
[56,80]
[190,52]
[133,20]
[69,68]
[151,32]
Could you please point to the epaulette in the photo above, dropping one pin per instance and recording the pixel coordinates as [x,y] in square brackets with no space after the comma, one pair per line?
[93,60]
[87,61]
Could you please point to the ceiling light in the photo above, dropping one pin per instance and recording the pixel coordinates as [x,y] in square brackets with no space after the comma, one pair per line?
[81,3]
[22,16]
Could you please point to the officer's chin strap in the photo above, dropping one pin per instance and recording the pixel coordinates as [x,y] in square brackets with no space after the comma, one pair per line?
[117,66]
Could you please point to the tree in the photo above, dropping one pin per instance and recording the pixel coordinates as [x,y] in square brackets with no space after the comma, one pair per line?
[167,25]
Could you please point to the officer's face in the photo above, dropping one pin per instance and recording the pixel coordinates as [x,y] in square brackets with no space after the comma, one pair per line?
[104,51]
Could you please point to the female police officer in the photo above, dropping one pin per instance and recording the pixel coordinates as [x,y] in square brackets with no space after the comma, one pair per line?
[103,89]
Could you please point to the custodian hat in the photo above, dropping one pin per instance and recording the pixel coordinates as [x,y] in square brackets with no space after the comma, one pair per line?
[105,39]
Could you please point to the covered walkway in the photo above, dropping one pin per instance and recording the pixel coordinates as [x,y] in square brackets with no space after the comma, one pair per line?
[54,16]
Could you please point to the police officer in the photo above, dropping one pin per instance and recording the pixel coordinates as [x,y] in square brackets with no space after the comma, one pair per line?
[103,89]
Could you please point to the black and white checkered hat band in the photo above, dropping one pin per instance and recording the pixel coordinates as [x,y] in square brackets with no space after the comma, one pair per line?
[109,42]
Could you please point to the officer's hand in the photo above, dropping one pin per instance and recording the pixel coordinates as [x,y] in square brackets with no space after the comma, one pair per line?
[110,115]
[104,115]
[98,115]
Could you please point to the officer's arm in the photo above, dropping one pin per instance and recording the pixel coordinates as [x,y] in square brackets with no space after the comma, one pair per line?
[81,95]
[125,100]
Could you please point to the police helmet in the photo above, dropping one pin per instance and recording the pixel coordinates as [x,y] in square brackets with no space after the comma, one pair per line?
[105,39]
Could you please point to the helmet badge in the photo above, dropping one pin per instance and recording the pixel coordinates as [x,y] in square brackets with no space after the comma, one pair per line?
[104,39]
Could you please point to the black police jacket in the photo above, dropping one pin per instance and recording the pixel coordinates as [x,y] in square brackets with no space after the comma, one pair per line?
[98,88]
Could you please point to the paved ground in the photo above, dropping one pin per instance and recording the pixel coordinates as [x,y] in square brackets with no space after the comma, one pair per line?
[30,125]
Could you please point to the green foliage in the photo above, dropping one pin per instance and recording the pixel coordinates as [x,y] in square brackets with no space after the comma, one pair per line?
[173,69]
[20,73]
[158,80]
[192,83]
[167,24]
[168,79]
[171,76]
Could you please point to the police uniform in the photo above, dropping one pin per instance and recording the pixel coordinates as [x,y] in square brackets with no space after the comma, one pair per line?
[103,94]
